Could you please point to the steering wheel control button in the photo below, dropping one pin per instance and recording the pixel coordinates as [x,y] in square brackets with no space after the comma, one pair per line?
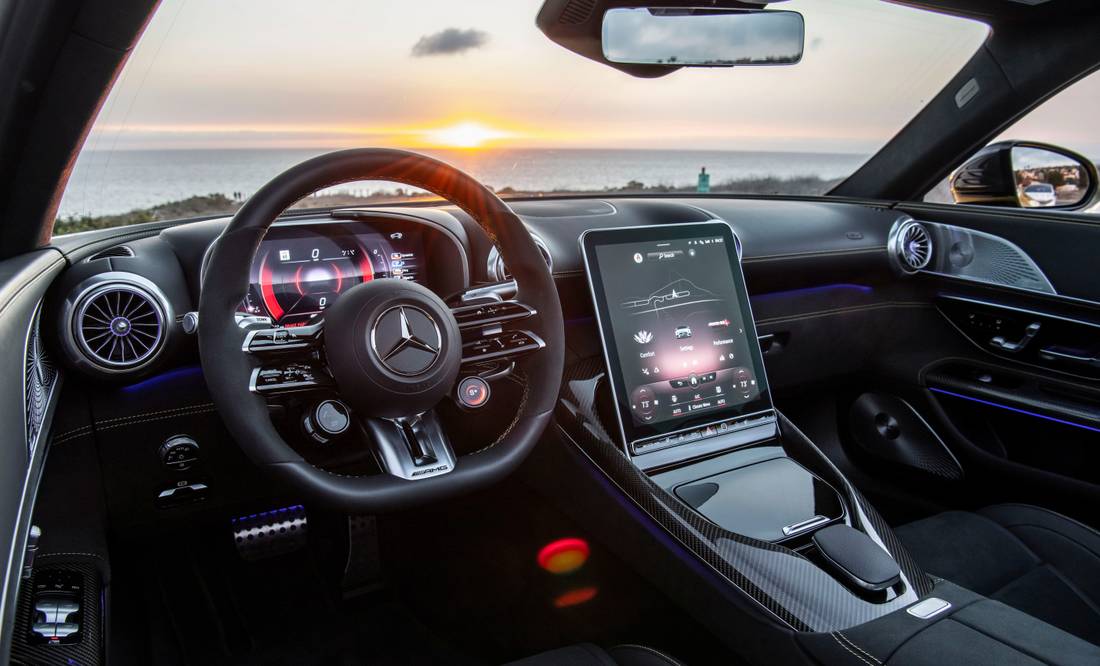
[501,345]
[475,316]
[406,340]
[473,392]
[288,379]
[179,453]
[281,340]
[329,419]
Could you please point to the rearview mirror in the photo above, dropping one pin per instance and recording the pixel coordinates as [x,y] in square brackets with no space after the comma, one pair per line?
[1025,175]
[702,37]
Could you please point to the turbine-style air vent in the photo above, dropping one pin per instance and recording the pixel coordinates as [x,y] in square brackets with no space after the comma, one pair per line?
[119,325]
[911,245]
[116,251]
[499,272]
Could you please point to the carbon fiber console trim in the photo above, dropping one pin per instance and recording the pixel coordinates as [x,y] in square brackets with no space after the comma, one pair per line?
[89,651]
[787,586]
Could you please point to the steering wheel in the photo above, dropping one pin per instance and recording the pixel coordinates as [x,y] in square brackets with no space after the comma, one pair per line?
[391,349]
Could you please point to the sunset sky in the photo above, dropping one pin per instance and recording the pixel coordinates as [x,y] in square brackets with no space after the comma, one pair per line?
[342,73]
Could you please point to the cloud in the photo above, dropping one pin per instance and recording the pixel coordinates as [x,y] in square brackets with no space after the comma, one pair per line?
[449,42]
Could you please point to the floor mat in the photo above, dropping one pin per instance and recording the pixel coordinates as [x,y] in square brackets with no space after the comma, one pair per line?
[218,609]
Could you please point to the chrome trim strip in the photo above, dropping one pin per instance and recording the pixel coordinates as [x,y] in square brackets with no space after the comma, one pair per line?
[798,528]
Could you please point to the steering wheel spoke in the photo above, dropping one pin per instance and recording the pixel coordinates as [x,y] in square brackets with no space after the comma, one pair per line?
[412,448]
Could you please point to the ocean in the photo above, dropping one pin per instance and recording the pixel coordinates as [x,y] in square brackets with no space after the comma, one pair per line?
[105,183]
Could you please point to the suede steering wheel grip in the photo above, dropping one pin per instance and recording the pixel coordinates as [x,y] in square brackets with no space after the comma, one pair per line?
[227,369]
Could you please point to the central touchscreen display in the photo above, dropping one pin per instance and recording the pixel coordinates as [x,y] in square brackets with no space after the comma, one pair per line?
[677,329]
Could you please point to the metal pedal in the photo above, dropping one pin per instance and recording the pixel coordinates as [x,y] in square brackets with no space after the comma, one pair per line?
[270,533]
[363,569]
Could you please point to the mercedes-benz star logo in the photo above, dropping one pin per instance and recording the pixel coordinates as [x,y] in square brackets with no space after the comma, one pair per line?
[406,340]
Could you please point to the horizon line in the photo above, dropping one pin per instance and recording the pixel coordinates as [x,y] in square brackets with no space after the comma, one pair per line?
[453,149]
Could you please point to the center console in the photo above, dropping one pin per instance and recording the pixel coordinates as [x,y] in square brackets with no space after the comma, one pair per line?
[689,391]
[680,415]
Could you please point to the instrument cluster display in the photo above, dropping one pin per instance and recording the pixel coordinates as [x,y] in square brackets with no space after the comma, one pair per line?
[299,271]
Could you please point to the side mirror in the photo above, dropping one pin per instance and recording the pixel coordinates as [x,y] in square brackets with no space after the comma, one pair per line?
[1025,175]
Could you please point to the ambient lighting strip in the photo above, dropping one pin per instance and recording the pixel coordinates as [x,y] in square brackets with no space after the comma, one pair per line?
[1015,409]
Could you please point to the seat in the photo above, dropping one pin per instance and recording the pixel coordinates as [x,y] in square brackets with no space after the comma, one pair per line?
[586,654]
[1032,559]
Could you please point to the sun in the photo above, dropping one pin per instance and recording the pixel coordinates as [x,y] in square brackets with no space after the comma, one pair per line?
[465,135]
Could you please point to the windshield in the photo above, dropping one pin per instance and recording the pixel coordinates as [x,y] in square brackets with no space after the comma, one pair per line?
[219,96]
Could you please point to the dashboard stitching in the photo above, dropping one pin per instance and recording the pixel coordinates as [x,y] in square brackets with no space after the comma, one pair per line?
[100,557]
[854,308]
[75,433]
[162,411]
[203,410]
[814,253]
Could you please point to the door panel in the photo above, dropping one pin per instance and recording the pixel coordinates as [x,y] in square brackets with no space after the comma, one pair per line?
[23,283]
[1007,379]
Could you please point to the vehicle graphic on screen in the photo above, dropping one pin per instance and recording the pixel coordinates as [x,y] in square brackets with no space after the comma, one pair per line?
[683,332]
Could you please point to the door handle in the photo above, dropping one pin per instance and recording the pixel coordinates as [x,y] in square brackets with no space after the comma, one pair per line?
[1029,334]
[1066,355]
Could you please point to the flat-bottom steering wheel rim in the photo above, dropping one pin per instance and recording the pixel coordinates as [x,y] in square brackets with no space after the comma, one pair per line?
[227,370]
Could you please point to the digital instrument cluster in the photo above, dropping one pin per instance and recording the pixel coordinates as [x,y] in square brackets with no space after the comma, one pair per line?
[300,270]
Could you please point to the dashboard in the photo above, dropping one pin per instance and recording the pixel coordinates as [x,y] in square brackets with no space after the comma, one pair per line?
[309,259]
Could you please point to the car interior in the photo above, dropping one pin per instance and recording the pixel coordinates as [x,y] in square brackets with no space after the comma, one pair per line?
[681,427]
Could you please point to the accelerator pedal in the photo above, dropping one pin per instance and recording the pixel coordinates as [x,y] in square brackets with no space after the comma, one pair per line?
[363,568]
[269,533]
